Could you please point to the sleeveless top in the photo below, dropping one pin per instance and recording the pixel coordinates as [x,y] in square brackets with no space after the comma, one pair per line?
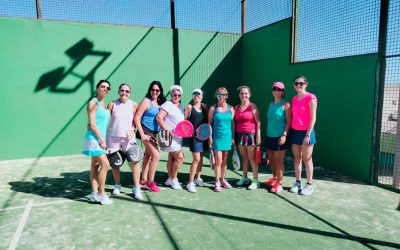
[149,117]
[197,118]
[276,117]
[222,126]
[102,117]
[245,122]
[301,117]
[121,119]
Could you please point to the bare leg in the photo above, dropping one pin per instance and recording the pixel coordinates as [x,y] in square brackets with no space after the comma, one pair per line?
[278,157]
[94,175]
[251,151]
[296,149]
[135,173]
[153,162]
[102,173]
[177,161]
[307,158]
[194,166]
[245,159]
[200,166]
[218,162]
[117,175]
[271,157]
[224,163]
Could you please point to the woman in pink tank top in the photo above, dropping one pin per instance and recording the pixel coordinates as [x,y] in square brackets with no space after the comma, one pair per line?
[304,110]
[120,134]
[247,136]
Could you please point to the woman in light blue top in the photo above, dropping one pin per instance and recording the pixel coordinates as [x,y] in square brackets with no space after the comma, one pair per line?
[95,143]
[220,117]
[279,117]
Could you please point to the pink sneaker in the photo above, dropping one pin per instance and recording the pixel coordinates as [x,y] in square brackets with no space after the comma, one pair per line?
[276,188]
[217,186]
[153,187]
[270,182]
[225,184]
[143,183]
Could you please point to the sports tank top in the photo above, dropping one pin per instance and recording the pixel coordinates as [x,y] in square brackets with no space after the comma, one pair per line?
[245,122]
[222,122]
[149,117]
[197,118]
[276,118]
[102,117]
[121,119]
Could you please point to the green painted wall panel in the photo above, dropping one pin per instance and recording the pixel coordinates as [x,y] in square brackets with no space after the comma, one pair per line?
[51,69]
[344,87]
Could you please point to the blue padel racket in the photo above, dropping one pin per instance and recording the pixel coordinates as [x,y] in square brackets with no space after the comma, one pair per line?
[203,132]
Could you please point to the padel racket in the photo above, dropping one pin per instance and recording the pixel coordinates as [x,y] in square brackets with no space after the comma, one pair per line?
[235,159]
[203,132]
[212,158]
[184,129]
[116,158]
[134,153]
[164,138]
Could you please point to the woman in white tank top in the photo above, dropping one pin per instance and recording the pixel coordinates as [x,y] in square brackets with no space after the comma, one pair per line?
[120,134]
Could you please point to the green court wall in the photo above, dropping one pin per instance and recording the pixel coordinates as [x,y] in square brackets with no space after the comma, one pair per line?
[344,88]
[49,71]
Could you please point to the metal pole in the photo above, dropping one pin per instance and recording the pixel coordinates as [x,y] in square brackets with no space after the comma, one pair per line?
[379,89]
[38,10]
[172,4]
[294,32]
[243,16]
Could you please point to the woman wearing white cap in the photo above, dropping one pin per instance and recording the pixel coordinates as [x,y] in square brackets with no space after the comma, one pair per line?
[196,113]
[279,118]
[171,113]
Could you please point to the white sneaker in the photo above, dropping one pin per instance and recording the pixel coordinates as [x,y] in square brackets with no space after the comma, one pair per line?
[117,189]
[168,182]
[296,187]
[199,182]
[190,187]
[94,197]
[105,200]
[175,184]
[307,190]
[254,184]
[138,193]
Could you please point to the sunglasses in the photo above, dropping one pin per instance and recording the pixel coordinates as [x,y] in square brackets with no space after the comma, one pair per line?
[299,83]
[277,89]
[220,95]
[155,90]
[196,94]
[176,95]
[105,87]
[124,91]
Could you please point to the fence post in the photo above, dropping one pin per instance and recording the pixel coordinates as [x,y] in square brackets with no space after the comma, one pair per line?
[243,16]
[172,6]
[38,10]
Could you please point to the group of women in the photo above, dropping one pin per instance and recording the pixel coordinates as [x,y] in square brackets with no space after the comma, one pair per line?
[288,125]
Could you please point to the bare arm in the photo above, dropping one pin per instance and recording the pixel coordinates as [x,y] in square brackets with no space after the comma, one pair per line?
[187,111]
[313,116]
[256,113]
[233,125]
[91,111]
[288,114]
[143,106]
[160,119]
[210,121]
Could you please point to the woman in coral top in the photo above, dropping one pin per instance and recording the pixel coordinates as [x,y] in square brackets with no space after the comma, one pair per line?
[304,110]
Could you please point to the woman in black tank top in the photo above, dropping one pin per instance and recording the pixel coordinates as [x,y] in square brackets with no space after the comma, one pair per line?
[196,113]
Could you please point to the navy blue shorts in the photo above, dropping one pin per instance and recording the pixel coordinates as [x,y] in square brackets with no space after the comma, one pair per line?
[198,146]
[272,143]
[297,136]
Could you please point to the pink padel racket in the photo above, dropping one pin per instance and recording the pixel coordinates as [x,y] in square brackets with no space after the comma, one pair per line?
[184,129]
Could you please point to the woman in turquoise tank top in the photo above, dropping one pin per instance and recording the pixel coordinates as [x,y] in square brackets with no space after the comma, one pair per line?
[95,143]
[279,117]
[220,117]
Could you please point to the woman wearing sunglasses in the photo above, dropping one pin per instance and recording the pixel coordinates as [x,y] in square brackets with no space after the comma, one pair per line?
[171,113]
[120,134]
[247,136]
[196,113]
[95,143]
[279,117]
[147,126]
[220,117]
[304,108]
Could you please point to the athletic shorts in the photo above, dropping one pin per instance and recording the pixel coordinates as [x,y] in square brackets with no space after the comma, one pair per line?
[245,139]
[115,143]
[297,136]
[176,145]
[197,146]
[272,143]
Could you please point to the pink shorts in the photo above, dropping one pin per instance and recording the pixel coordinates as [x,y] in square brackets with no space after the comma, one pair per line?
[118,143]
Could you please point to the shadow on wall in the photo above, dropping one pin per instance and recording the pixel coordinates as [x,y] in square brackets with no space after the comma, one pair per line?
[77,53]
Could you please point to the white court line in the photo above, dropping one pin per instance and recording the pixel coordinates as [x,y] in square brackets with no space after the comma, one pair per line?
[21,226]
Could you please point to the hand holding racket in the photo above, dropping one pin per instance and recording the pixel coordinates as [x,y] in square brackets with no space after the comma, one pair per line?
[165,138]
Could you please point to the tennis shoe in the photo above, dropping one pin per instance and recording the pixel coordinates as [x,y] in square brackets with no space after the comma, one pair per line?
[199,182]
[94,196]
[243,181]
[117,189]
[191,187]
[143,183]
[254,184]
[137,193]
[175,184]
[217,186]
[168,182]
[271,182]
[225,184]
[307,190]
[276,188]
[296,187]
[105,200]
[153,187]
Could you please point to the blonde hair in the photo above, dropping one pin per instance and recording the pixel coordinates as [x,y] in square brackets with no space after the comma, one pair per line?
[223,89]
